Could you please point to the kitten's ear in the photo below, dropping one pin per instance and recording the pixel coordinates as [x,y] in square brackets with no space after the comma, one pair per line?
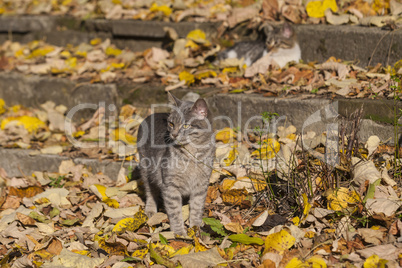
[200,109]
[287,30]
[173,100]
[268,29]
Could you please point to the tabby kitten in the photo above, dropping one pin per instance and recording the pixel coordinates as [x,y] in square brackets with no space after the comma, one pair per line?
[176,155]
[282,43]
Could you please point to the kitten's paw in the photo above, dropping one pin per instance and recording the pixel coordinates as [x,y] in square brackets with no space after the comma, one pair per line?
[150,211]
[182,232]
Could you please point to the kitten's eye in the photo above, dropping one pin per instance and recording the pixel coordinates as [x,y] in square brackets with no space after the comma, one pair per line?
[186,125]
[170,124]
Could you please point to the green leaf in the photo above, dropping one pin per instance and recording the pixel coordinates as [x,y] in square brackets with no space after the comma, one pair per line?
[130,259]
[215,225]
[36,216]
[70,222]
[239,90]
[163,239]
[371,190]
[54,212]
[245,239]
[159,259]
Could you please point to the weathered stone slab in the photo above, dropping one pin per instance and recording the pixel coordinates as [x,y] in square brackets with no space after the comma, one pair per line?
[16,160]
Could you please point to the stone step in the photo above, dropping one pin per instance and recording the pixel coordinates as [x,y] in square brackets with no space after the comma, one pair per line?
[364,45]
[33,90]
[228,110]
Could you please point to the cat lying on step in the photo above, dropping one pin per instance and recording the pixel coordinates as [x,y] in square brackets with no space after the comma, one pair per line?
[281,43]
[176,153]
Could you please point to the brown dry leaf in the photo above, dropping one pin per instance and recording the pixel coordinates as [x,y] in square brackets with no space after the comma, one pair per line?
[371,236]
[212,194]
[234,197]
[24,219]
[242,14]
[270,9]
[12,202]
[234,227]
[25,192]
[55,247]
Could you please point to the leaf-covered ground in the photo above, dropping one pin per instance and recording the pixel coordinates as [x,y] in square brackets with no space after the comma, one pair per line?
[271,202]
[378,12]
[191,62]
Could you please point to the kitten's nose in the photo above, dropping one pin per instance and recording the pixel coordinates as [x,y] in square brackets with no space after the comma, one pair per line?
[174,134]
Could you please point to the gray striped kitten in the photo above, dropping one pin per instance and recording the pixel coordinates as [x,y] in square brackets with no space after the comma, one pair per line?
[281,42]
[176,155]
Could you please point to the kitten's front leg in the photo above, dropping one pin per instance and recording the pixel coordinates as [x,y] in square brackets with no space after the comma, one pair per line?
[172,200]
[151,206]
[197,203]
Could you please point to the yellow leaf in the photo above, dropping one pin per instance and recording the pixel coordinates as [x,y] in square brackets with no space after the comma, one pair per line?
[71,62]
[309,234]
[164,9]
[380,6]
[40,52]
[227,184]
[191,44]
[122,135]
[66,2]
[2,10]
[291,136]
[225,135]
[316,262]
[101,191]
[78,134]
[294,263]
[111,203]
[117,65]
[306,204]
[2,108]
[130,224]
[43,254]
[182,251]
[111,248]
[19,53]
[231,157]
[65,54]
[15,108]
[230,70]
[81,53]
[316,9]
[205,74]
[296,221]
[198,246]
[111,51]
[186,76]
[95,41]
[197,36]
[341,198]
[279,242]
[30,123]
[268,150]
[140,253]
[374,262]
[82,252]
[234,196]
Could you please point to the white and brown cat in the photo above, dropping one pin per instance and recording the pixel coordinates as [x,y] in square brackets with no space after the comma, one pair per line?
[281,43]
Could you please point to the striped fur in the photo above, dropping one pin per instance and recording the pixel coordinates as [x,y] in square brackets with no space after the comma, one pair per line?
[176,155]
